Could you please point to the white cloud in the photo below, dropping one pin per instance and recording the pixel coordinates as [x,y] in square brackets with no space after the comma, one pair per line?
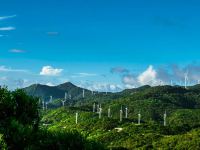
[17,51]
[3,78]
[50,71]
[50,84]
[148,76]
[128,86]
[5,69]
[83,74]
[7,17]
[101,87]
[129,79]
[7,28]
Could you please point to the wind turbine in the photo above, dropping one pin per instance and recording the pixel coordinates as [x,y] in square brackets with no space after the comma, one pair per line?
[186,79]
[106,89]
[97,108]
[51,98]
[121,114]
[109,112]
[76,117]
[164,117]
[171,83]
[83,93]
[43,103]
[139,118]
[94,106]
[46,105]
[65,99]
[100,111]
[126,112]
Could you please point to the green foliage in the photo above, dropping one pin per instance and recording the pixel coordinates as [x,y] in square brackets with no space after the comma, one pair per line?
[19,123]
[22,129]
[18,117]
[62,140]
[3,145]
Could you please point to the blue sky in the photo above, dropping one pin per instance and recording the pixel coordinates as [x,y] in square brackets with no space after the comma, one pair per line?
[143,42]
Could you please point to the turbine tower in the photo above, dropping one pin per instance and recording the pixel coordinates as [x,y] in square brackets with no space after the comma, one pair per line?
[76,118]
[43,105]
[100,111]
[65,99]
[51,98]
[171,83]
[121,114]
[83,93]
[126,112]
[94,106]
[186,79]
[139,118]
[106,89]
[97,108]
[46,105]
[165,116]
[109,115]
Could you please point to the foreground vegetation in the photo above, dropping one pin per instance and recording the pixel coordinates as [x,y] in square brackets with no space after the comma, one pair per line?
[24,125]
[19,126]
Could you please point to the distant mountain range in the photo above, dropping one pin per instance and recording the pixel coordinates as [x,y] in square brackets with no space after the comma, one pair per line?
[58,92]
[44,92]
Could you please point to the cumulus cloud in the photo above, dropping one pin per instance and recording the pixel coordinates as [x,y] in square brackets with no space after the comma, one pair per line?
[7,28]
[163,75]
[101,87]
[50,71]
[7,17]
[148,76]
[129,79]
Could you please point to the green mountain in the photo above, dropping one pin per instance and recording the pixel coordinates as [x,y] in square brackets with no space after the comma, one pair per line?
[182,108]
[57,92]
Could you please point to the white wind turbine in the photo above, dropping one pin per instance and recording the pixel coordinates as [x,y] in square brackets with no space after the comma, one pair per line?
[121,114]
[76,117]
[126,112]
[94,107]
[46,105]
[109,115]
[64,100]
[100,111]
[51,99]
[186,79]
[83,93]
[43,105]
[164,117]
[139,118]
